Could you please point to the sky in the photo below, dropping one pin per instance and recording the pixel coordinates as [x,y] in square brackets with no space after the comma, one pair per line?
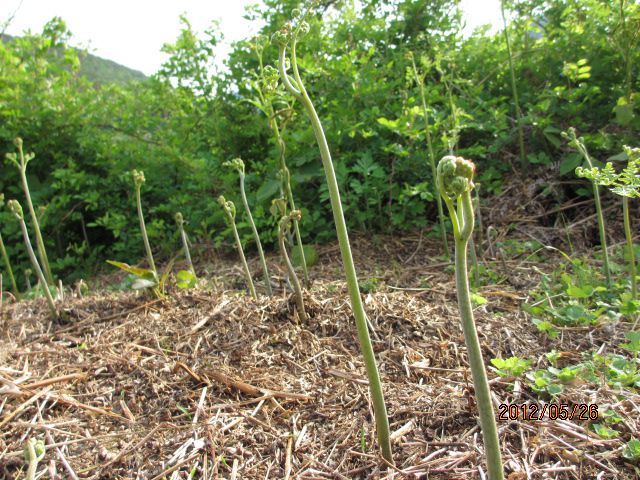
[132,32]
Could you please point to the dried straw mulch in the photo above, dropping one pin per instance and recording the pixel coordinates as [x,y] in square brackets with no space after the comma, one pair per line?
[214,383]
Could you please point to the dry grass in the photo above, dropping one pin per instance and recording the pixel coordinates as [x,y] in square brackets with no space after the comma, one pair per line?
[212,382]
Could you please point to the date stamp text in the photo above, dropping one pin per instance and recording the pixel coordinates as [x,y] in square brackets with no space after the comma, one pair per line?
[547,411]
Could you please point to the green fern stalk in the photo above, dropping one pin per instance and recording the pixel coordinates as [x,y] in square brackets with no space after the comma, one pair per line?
[283,226]
[514,90]
[626,184]
[185,241]
[455,182]
[230,212]
[296,88]
[21,162]
[138,180]
[578,144]
[266,89]
[238,165]
[630,249]
[16,209]
[34,452]
[7,264]
[432,158]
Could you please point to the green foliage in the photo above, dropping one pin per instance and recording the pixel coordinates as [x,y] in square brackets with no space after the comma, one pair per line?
[185,279]
[511,367]
[144,277]
[604,432]
[625,183]
[631,450]
[180,124]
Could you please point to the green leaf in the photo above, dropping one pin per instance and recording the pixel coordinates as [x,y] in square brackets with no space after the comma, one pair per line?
[186,279]
[143,273]
[604,432]
[632,450]
[390,124]
[511,367]
[580,292]
[624,112]
[569,163]
[478,299]
[555,389]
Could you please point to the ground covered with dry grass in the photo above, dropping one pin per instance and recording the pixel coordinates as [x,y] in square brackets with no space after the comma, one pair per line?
[213,384]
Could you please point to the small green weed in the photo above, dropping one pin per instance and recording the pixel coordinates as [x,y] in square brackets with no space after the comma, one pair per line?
[511,367]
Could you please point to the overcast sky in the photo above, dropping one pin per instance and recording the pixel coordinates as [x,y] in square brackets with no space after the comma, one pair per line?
[132,32]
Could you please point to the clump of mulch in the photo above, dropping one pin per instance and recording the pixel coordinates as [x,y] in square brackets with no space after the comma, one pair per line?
[211,383]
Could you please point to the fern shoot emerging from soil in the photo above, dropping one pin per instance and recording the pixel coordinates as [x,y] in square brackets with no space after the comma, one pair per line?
[266,87]
[283,227]
[455,182]
[627,185]
[185,241]
[16,209]
[288,35]
[238,165]
[578,144]
[230,212]
[7,262]
[138,180]
[21,161]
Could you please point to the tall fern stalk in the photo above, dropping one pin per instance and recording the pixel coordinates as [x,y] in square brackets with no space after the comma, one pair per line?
[578,144]
[432,158]
[7,265]
[230,212]
[283,226]
[269,79]
[185,242]
[21,162]
[296,88]
[238,165]
[630,249]
[514,90]
[138,180]
[16,209]
[455,182]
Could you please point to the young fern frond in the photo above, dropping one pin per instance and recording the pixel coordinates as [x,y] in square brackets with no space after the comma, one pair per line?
[185,242]
[283,227]
[578,144]
[138,180]
[627,185]
[15,208]
[266,88]
[230,212]
[289,35]
[34,452]
[455,182]
[7,263]
[20,161]
[238,165]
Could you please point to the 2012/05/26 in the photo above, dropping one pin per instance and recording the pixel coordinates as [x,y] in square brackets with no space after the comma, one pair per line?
[553,411]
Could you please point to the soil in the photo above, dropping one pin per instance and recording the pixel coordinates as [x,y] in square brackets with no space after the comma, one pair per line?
[212,383]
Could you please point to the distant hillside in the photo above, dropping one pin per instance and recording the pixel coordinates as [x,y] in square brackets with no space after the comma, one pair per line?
[100,70]
[103,71]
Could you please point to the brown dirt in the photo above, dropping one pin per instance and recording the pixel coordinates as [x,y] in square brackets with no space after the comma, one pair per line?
[213,382]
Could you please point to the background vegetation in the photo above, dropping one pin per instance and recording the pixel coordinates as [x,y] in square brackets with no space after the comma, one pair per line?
[576,64]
